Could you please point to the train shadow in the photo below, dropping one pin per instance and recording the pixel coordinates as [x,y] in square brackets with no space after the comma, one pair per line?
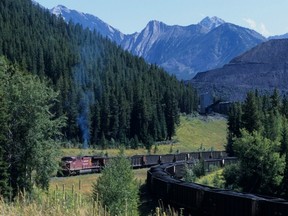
[147,205]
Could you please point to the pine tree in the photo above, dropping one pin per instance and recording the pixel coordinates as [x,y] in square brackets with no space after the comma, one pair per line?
[284,139]
[251,115]
[284,153]
[284,109]
[275,100]
[171,114]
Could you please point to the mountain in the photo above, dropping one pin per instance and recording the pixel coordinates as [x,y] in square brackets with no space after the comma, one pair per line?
[88,21]
[264,67]
[180,50]
[284,36]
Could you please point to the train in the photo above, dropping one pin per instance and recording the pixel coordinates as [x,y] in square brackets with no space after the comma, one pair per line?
[165,182]
[76,165]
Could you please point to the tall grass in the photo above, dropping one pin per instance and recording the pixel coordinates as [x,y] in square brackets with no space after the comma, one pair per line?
[59,202]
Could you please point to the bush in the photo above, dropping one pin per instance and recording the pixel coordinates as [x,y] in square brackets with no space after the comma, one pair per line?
[117,188]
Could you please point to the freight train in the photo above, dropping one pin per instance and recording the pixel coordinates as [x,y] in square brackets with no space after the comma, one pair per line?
[164,182]
[72,165]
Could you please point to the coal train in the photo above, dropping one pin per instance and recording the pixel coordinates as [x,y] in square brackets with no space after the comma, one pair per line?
[72,165]
[164,182]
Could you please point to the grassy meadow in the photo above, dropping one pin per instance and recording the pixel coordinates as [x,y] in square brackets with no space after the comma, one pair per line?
[193,134]
[83,183]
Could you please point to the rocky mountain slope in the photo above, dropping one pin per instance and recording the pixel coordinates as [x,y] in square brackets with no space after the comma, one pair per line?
[88,21]
[181,50]
[264,67]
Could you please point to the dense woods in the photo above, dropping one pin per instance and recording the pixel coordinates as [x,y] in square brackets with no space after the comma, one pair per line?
[108,95]
[258,136]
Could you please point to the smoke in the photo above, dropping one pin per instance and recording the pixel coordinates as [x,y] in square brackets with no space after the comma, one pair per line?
[83,81]
[83,120]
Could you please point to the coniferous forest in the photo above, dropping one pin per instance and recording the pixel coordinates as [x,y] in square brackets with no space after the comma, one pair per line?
[107,95]
[257,135]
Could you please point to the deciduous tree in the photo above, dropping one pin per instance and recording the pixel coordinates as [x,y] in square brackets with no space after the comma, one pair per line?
[117,188]
[31,131]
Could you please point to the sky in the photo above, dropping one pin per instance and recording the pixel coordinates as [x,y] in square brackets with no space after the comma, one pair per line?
[268,17]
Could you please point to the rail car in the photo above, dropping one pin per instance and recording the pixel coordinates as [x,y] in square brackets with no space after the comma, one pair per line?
[164,182]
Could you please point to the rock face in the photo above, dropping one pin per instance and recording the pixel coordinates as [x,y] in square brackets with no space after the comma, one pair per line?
[180,50]
[263,67]
[184,51]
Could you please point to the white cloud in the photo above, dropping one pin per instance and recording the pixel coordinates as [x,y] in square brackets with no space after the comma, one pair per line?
[259,27]
[263,30]
[252,24]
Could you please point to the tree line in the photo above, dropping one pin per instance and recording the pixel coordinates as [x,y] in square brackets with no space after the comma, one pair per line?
[257,135]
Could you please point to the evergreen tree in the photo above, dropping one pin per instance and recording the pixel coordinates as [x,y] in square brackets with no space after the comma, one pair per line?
[234,126]
[284,139]
[284,109]
[251,115]
[273,125]
[171,114]
[275,100]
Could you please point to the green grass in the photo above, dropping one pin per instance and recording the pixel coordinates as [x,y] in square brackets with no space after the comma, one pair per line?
[208,132]
[192,133]
[196,132]
[86,182]
[213,179]
[110,152]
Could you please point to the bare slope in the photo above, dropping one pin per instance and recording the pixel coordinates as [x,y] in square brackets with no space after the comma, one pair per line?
[263,67]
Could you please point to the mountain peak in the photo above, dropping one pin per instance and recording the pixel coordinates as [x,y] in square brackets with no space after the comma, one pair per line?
[155,26]
[156,23]
[59,9]
[211,22]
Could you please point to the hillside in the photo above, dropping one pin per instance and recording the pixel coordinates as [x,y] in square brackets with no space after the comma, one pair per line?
[108,95]
[180,50]
[193,134]
[263,67]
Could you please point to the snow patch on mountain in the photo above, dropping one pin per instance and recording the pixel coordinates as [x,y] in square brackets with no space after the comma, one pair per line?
[58,10]
[211,22]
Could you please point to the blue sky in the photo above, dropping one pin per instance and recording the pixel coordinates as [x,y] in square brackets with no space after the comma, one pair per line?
[268,17]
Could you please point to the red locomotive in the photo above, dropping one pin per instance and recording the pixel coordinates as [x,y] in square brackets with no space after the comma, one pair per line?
[79,165]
